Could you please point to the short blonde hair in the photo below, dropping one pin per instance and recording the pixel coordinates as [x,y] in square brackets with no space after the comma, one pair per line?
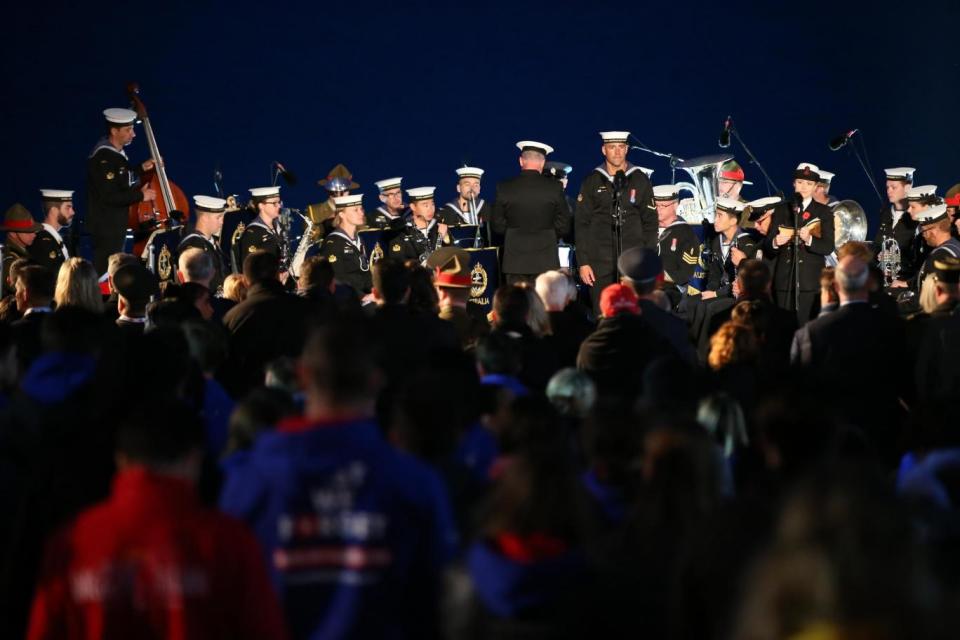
[78,286]
[928,293]
[235,287]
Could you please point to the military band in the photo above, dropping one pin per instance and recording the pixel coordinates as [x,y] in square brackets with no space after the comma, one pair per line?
[677,245]
[344,250]
[209,221]
[728,248]
[423,233]
[261,234]
[468,207]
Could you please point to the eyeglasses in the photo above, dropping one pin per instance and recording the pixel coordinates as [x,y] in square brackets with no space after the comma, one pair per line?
[279,203]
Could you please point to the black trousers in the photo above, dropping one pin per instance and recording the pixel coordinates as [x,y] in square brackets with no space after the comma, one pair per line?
[105,244]
[808,307]
[603,280]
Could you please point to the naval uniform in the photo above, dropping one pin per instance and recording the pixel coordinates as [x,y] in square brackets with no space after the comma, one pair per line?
[197,240]
[48,249]
[348,257]
[721,272]
[416,244]
[112,186]
[949,248]
[902,228]
[452,214]
[595,228]
[679,250]
[258,237]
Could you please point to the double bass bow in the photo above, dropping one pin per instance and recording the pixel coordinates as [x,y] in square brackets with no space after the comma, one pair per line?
[144,217]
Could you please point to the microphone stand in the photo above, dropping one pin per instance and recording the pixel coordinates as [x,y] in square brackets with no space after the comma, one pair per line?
[865,166]
[473,209]
[617,213]
[674,160]
[795,264]
[754,161]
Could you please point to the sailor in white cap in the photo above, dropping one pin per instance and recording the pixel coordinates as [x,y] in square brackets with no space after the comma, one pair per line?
[615,182]
[822,192]
[423,234]
[262,234]
[728,248]
[935,229]
[209,213]
[806,229]
[761,215]
[344,250]
[468,208]
[391,213]
[113,185]
[895,224]
[678,245]
[531,213]
[48,248]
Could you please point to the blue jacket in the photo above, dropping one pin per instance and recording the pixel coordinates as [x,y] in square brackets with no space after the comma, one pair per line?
[355,532]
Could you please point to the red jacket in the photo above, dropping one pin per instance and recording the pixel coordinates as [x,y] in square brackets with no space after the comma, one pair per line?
[151,562]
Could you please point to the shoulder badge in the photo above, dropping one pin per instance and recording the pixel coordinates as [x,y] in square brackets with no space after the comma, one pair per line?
[53,255]
[164,268]
[252,248]
[395,248]
[110,175]
[331,258]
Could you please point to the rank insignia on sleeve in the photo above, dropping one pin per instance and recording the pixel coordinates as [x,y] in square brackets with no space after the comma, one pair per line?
[395,248]
[110,175]
[332,258]
[53,254]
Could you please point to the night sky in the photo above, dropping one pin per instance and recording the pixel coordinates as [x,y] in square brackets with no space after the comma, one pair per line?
[418,90]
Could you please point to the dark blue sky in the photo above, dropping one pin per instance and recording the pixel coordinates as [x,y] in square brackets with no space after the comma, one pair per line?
[418,89]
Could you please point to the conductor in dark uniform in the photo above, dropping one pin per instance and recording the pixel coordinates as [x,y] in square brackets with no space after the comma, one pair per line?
[48,248]
[209,212]
[531,213]
[261,234]
[616,180]
[796,278]
[678,245]
[344,250]
[112,186]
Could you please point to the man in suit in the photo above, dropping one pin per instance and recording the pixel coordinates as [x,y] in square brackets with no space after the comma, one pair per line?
[641,269]
[614,182]
[531,212]
[268,324]
[34,295]
[858,351]
[800,241]
[48,248]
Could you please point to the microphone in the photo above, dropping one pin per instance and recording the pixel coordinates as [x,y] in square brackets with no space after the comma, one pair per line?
[797,202]
[288,176]
[724,140]
[841,141]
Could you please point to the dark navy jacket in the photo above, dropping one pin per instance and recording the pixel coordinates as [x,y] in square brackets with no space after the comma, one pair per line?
[355,533]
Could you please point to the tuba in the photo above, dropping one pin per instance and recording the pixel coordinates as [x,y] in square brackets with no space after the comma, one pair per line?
[849,223]
[704,172]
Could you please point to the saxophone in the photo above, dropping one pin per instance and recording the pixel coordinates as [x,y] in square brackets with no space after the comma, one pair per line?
[282,224]
[305,241]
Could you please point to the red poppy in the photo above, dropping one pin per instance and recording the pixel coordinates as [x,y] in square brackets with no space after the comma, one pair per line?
[806,215]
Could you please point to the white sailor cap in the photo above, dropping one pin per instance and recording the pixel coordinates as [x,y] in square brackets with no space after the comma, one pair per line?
[826,177]
[760,206]
[209,204]
[647,172]
[932,215]
[259,193]
[731,206]
[470,172]
[807,171]
[900,174]
[666,192]
[56,195]
[120,116]
[614,136]
[421,193]
[389,183]
[916,194]
[531,145]
[352,200]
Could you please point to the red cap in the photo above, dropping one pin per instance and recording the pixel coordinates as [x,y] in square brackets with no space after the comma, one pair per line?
[953,202]
[618,298]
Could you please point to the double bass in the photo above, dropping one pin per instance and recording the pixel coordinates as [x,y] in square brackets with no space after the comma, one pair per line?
[145,217]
